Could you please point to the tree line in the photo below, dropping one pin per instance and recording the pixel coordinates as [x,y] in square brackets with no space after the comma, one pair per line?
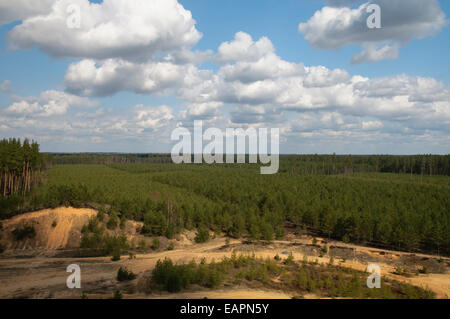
[21,164]
[426,164]
[107,158]
[312,164]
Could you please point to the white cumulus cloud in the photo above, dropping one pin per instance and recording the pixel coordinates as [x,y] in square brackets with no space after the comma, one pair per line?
[126,29]
[48,103]
[92,78]
[401,21]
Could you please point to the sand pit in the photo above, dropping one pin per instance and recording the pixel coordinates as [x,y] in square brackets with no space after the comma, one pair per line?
[55,228]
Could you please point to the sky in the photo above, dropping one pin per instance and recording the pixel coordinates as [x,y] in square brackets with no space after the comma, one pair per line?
[121,75]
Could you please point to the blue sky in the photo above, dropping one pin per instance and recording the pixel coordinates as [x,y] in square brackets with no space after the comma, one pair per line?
[357,125]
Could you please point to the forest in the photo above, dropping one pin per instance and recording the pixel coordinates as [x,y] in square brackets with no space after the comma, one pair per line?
[398,202]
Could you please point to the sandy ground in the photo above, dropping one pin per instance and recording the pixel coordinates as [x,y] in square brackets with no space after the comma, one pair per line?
[45,277]
[231,293]
[55,228]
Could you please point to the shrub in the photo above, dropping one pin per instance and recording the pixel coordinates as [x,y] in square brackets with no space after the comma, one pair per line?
[202,234]
[170,246]
[101,213]
[94,237]
[123,222]
[142,245]
[173,278]
[155,224]
[311,285]
[115,243]
[271,265]
[174,284]
[267,232]
[112,221]
[346,238]
[93,226]
[238,227]
[124,274]
[92,234]
[262,274]
[424,270]
[213,279]
[170,231]
[279,232]
[165,275]
[155,243]
[24,232]
[254,232]
[289,260]
[355,286]
[117,295]
[115,255]
[399,271]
